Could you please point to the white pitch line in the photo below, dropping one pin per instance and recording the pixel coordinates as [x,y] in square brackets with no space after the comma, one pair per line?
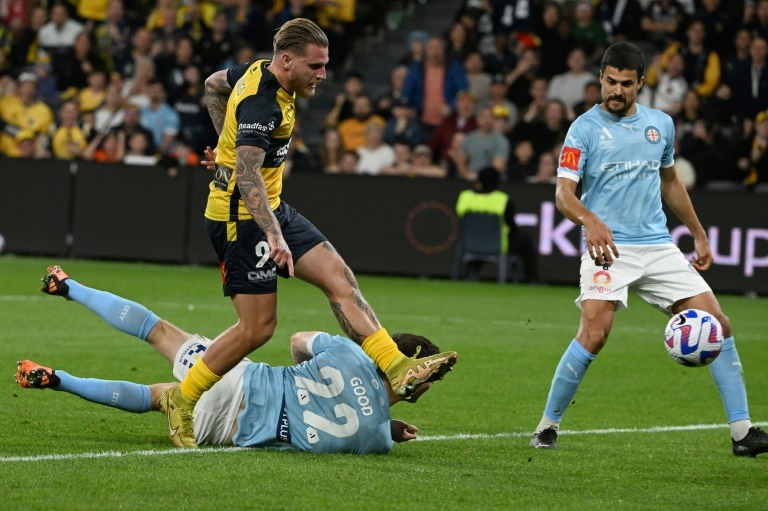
[461,436]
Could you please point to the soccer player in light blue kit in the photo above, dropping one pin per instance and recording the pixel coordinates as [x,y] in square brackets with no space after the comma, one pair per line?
[622,153]
[333,400]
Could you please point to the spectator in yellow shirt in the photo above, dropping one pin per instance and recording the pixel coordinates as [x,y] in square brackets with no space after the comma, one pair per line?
[23,111]
[69,142]
[352,130]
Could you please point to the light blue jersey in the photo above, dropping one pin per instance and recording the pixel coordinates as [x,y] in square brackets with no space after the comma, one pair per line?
[618,160]
[335,402]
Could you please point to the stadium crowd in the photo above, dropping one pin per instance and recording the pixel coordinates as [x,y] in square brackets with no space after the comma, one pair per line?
[122,81]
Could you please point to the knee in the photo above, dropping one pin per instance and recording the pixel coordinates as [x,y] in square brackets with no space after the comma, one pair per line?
[725,322]
[593,338]
[256,333]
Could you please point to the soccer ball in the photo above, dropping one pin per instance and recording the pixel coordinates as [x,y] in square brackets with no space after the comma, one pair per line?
[693,338]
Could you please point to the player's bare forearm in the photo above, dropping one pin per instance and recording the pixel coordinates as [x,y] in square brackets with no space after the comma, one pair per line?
[570,205]
[253,190]
[598,237]
[217,91]
[676,196]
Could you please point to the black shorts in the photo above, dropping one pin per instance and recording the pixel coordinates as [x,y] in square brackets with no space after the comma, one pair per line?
[244,253]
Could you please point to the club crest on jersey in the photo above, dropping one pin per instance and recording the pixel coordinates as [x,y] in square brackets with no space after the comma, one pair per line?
[570,157]
[652,135]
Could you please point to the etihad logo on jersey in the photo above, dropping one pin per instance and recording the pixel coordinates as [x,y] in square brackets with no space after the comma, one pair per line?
[638,165]
[255,126]
[569,157]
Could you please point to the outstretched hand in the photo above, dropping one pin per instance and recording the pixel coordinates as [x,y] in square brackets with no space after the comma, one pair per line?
[210,154]
[402,431]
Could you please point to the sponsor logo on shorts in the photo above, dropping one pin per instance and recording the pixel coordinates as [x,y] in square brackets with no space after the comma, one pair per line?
[602,277]
[262,275]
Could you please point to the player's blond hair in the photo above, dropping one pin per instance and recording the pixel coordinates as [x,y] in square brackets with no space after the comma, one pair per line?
[296,34]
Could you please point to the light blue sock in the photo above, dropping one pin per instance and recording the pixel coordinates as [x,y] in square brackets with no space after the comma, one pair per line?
[728,375]
[125,315]
[124,395]
[568,375]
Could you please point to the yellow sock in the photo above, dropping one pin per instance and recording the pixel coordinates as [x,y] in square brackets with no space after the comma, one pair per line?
[199,379]
[383,350]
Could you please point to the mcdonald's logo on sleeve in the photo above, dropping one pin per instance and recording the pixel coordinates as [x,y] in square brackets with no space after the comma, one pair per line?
[569,158]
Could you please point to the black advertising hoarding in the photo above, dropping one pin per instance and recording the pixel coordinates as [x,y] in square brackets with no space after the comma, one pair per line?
[381,225]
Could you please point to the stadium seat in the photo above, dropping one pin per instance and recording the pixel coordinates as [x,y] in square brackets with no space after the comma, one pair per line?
[480,241]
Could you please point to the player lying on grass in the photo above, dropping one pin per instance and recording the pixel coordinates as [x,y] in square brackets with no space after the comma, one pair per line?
[333,400]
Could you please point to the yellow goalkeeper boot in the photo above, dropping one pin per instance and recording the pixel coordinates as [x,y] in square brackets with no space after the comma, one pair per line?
[411,373]
[178,410]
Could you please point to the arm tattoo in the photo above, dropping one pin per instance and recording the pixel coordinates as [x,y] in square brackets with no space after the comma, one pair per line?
[252,188]
[359,300]
[217,91]
[346,324]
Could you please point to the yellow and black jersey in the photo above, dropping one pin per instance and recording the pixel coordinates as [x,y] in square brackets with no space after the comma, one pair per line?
[260,113]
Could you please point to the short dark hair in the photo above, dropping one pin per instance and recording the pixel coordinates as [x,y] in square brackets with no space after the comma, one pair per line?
[623,56]
[488,178]
[409,345]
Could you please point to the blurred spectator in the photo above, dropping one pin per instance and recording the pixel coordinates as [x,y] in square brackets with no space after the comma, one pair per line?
[568,87]
[295,9]
[299,157]
[331,150]
[622,19]
[690,113]
[132,124]
[111,113]
[166,25]
[736,57]
[92,97]
[374,153]
[702,66]
[547,133]
[394,93]
[24,112]
[19,42]
[402,127]
[751,154]
[479,81]
[684,169]
[419,164]
[171,68]
[140,49]
[352,130]
[662,21]
[69,141]
[139,152]
[750,87]
[196,127]
[458,43]
[106,147]
[136,88]
[456,161]
[704,147]
[759,22]
[501,120]
[462,121]
[75,64]
[520,79]
[218,46]
[248,22]
[343,105]
[92,12]
[522,162]
[112,36]
[546,170]
[336,19]
[431,86]
[417,45]
[160,119]
[347,163]
[485,146]
[538,93]
[484,197]
[182,157]
[499,59]
[59,34]
[402,163]
[588,32]
[590,98]
[556,40]
[514,16]
[497,97]
[25,145]
[717,26]
[670,90]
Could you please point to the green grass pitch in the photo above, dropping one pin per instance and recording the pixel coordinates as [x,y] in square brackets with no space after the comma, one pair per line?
[642,433]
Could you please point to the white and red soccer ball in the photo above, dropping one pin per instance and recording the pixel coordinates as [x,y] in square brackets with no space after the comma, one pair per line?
[693,338]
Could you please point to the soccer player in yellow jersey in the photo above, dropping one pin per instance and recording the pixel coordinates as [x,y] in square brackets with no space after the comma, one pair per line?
[257,236]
